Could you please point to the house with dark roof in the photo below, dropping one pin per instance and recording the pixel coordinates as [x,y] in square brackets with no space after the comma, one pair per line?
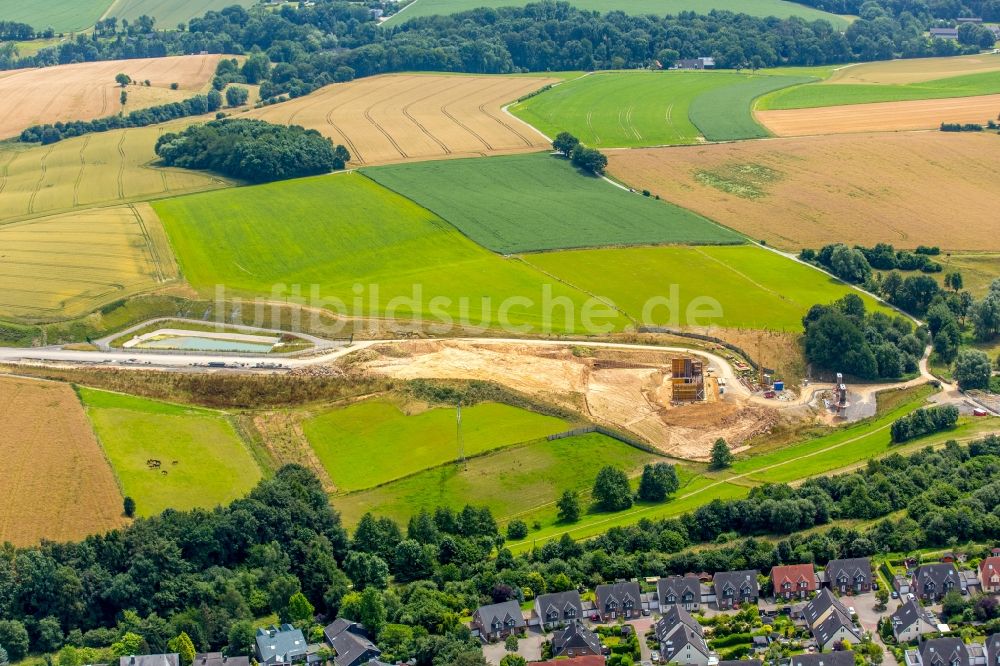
[695,63]
[933,581]
[944,33]
[830,621]
[739,662]
[172,659]
[497,621]
[558,608]
[849,576]
[618,600]
[839,658]
[219,659]
[280,645]
[736,588]
[575,641]
[993,650]
[590,660]
[911,621]
[793,581]
[989,574]
[943,652]
[681,638]
[350,642]
[684,591]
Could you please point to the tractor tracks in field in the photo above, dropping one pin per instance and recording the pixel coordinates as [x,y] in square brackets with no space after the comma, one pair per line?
[5,169]
[427,133]
[154,254]
[79,174]
[121,165]
[43,171]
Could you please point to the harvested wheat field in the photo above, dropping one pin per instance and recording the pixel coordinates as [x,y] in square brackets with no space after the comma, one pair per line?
[881,117]
[57,484]
[88,90]
[95,169]
[901,188]
[914,70]
[68,265]
[629,391]
[395,118]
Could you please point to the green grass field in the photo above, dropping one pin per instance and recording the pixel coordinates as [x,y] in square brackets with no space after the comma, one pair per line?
[341,231]
[524,203]
[837,94]
[509,481]
[213,465]
[60,15]
[641,108]
[168,13]
[779,8]
[754,288]
[348,440]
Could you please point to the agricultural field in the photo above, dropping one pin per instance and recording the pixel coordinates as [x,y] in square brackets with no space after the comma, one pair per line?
[91,170]
[526,203]
[67,265]
[50,452]
[85,91]
[632,109]
[202,461]
[365,250]
[730,287]
[169,13]
[779,8]
[881,117]
[509,481]
[856,189]
[914,70]
[401,117]
[60,15]
[347,440]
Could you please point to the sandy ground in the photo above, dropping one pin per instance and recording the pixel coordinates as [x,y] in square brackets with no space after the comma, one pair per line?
[881,117]
[914,70]
[50,452]
[630,393]
[401,117]
[86,91]
[899,188]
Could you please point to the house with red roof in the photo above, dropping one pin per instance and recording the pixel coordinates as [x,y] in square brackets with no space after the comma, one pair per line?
[793,581]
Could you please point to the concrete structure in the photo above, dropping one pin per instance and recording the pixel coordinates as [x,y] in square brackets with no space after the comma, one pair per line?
[687,380]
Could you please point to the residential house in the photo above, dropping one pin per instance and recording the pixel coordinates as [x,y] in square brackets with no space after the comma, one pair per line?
[944,33]
[219,659]
[943,652]
[575,641]
[695,63]
[839,658]
[993,650]
[739,662]
[558,608]
[498,621]
[681,590]
[590,660]
[793,581]
[911,621]
[850,576]
[618,600]
[933,581]
[284,645]
[350,642]
[681,638]
[989,574]
[830,621]
[172,659]
[736,588]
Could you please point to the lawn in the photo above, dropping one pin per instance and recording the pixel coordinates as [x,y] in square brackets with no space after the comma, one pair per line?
[510,481]
[347,440]
[641,108]
[678,286]
[839,94]
[351,246]
[779,8]
[203,463]
[524,203]
[60,15]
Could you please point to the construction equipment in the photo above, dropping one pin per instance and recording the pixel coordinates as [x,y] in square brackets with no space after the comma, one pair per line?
[688,380]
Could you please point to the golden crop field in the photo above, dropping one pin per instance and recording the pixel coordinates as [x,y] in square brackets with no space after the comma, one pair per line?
[67,265]
[396,118]
[914,70]
[50,453]
[94,169]
[88,90]
[899,188]
[881,116]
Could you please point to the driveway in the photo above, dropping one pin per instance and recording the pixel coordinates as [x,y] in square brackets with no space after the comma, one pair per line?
[529,647]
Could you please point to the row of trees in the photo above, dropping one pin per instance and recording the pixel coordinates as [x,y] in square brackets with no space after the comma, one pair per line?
[588,160]
[923,422]
[252,150]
